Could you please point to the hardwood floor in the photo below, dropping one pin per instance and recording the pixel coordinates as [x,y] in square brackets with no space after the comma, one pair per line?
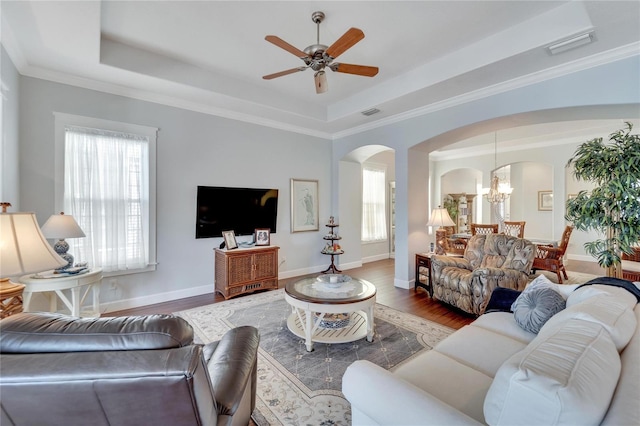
[381,274]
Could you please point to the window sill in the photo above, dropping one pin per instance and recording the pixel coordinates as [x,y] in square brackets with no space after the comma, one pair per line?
[374,241]
[149,268]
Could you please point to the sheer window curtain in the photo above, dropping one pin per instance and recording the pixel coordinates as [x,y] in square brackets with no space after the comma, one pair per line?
[106,189]
[374,219]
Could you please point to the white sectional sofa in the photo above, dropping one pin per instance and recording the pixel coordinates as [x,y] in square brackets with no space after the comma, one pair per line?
[583,367]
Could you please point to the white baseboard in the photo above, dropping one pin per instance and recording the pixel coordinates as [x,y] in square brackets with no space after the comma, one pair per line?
[119,305]
[406,284]
[581,257]
[350,265]
[299,272]
[137,302]
[375,258]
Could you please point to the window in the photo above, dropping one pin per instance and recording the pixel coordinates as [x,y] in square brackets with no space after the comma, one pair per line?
[107,184]
[374,222]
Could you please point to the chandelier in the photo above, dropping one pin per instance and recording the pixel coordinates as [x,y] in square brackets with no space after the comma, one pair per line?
[499,191]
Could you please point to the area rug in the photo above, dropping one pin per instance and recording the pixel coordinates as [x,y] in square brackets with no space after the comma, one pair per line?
[574,277]
[296,387]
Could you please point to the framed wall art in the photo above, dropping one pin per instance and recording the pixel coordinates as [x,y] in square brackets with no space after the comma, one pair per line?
[263,236]
[230,240]
[304,205]
[545,200]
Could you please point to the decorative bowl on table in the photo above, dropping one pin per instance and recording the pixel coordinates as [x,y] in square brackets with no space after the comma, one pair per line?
[334,321]
[334,280]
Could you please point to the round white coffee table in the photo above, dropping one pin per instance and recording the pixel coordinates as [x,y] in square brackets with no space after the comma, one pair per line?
[331,312]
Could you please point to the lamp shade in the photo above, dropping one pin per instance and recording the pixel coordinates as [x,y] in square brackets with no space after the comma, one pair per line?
[62,226]
[23,248]
[440,217]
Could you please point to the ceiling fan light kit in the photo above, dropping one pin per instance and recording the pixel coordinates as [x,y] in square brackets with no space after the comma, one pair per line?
[321,82]
[319,56]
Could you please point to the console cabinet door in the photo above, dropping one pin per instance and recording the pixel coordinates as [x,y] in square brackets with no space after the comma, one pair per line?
[265,265]
[239,269]
[244,271]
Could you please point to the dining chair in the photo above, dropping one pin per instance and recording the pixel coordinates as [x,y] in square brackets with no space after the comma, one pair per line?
[549,258]
[515,229]
[483,229]
[456,246]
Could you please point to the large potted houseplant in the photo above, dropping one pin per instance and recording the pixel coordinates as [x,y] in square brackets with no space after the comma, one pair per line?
[451,204]
[612,207]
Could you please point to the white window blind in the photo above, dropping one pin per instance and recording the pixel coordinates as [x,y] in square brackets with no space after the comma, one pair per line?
[374,222]
[107,187]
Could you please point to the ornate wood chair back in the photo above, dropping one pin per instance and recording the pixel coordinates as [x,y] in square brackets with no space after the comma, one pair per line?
[515,229]
[482,229]
[564,242]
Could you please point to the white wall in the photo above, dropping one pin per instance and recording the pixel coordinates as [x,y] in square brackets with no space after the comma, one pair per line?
[538,177]
[350,214]
[192,149]
[10,87]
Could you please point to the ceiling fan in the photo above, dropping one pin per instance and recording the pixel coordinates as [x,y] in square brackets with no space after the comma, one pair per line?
[318,56]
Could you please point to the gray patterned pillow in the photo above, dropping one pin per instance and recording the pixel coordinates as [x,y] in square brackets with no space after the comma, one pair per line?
[535,306]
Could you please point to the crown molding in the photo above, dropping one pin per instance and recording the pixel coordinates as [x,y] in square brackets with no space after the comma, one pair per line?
[603,58]
[172,101]
[19,60]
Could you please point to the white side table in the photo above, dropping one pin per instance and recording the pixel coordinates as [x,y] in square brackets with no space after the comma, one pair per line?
[54,288]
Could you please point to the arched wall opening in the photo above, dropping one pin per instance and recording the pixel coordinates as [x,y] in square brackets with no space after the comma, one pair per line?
[563,98]
[350,201]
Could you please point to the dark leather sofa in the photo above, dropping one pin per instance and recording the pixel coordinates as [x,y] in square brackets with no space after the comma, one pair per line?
[143,370]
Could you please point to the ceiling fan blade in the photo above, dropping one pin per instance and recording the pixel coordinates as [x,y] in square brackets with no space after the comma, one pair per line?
[348,39]
[363,70]
[286,46]
[281,73]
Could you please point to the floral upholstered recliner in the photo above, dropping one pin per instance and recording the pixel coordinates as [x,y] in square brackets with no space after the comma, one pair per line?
[489,261]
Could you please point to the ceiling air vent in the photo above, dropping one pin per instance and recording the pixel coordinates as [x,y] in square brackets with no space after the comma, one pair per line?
[572,43]
[370,111]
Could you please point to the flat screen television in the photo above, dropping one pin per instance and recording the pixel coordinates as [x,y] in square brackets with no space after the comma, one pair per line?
[241,210]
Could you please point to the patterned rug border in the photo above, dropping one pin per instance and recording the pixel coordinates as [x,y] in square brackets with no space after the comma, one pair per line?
[329,404]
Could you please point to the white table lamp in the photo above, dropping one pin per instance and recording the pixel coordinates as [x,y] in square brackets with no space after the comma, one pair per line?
[62,226]
[23,250]
[440,217]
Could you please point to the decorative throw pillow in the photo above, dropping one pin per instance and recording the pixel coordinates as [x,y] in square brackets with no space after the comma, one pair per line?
[564,289]
[535,306]
[501,299]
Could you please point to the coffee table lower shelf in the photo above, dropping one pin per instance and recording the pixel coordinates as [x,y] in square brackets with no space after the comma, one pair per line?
[355,330]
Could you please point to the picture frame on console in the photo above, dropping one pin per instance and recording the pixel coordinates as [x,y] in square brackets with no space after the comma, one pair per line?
[304,205]
[545,200]
[263,236]
[230,240]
